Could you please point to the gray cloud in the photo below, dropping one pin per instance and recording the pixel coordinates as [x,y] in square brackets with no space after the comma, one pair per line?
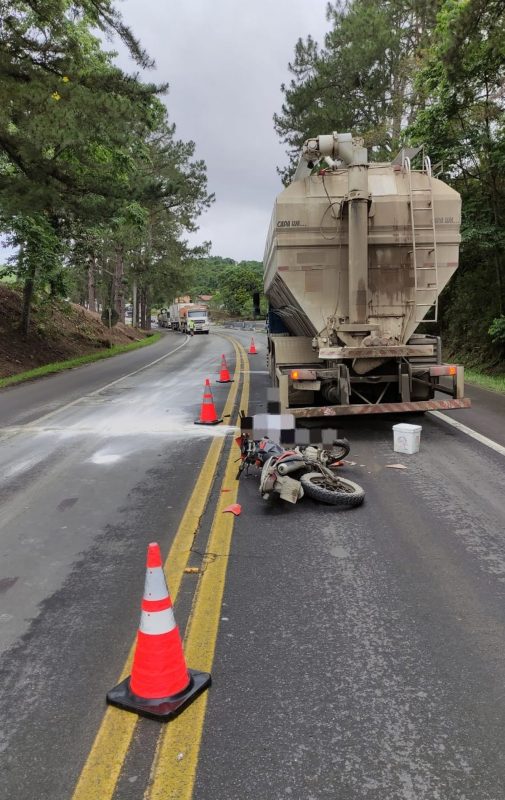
[225,61]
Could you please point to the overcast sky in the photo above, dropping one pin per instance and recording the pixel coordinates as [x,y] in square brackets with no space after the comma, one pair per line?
[225,61]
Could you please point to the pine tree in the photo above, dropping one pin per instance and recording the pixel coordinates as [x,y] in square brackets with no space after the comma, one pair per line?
[361,81]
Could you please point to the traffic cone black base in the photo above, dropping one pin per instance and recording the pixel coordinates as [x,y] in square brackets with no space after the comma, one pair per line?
[214,422]
[163,708]
[218,380]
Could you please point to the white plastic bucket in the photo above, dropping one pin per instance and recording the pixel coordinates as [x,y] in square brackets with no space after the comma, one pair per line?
[407,438]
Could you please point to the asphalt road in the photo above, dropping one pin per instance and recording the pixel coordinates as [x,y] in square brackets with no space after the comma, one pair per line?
[487,414]
[25,402]
[82,492]
[360,654]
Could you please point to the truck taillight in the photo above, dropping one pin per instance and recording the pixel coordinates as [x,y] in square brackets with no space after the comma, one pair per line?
[443,369]
[303,374]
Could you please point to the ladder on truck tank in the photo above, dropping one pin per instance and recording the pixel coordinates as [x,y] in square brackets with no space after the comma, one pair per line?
[424,243]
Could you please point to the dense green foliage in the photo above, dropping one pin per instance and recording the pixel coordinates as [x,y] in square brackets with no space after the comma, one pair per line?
[463,125]
[497,331]
[231,284]
[205,277]
[433,73]
[95,190]
[361,80]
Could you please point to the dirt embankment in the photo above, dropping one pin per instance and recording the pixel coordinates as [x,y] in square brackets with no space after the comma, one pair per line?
[58,331]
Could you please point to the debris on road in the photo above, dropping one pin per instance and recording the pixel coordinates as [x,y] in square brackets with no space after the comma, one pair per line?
[396,466]
[235,508]
[406,438]
[192,570]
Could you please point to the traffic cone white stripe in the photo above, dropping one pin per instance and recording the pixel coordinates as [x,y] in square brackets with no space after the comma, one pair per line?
[155,587]
[156,622]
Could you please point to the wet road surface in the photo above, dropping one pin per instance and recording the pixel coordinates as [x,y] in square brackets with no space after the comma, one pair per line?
[360,654]
[82,492]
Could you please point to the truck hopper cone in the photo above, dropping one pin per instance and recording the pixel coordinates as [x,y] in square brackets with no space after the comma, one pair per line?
[208,413]
[160,684]
[252,349]
[224,373]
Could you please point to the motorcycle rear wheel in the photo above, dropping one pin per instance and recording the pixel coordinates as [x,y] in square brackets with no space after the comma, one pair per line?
[342,492]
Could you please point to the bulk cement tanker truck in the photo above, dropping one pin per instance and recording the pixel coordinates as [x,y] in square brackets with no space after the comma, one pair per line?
[356,257]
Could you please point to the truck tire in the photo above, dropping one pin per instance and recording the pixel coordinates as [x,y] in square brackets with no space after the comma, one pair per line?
[345,493]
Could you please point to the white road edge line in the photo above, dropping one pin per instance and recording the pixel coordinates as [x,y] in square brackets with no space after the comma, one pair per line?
[107,386]
[469,432]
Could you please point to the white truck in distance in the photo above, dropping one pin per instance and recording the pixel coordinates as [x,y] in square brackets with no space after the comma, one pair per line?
[164,318]
[181,313]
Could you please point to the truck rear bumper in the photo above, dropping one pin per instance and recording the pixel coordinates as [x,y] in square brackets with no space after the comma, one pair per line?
[379,408]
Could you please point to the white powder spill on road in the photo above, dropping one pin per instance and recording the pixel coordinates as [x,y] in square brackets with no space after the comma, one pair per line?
[152,421]
[15,469]
[105,458]
[145,411]
[19,455]
[126,421]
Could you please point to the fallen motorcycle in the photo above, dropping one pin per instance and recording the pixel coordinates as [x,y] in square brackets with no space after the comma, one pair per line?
[306,470]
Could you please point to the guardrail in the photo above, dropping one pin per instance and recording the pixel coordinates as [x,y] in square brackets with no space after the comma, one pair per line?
[245,325]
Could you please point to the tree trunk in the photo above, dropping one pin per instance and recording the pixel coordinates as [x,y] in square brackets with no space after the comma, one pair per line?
[135,304]
[148,310]
[495,204]
[119,303]
[28,289]
[499,282]
[91,284]
[143,306]
[145,309]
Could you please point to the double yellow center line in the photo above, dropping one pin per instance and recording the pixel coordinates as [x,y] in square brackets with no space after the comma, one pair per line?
[173,775]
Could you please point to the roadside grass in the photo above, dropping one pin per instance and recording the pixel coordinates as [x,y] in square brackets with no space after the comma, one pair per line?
[494,382]
[60,366]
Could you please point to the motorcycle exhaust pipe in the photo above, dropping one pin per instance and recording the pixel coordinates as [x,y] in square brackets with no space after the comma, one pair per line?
[290,466]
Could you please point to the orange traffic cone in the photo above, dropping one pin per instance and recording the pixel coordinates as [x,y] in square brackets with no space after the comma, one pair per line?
[208,413]
[160,685]
[252,350]
[224,374]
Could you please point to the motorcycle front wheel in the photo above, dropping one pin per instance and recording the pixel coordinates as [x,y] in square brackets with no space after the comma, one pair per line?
[341,492]
[340,449]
